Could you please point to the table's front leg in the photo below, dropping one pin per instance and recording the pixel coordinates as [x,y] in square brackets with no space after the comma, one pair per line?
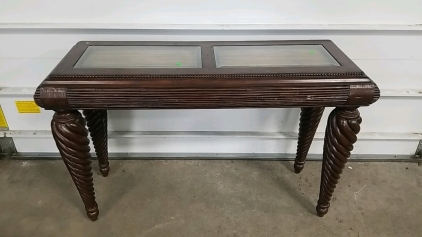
[97,126]
[71,136]
[340,135]
[309,120]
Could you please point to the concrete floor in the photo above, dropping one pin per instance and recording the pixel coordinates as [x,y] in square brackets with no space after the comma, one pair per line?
[210,198]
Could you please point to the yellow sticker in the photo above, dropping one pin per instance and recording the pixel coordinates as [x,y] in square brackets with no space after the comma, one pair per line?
[3,122]
[27,106]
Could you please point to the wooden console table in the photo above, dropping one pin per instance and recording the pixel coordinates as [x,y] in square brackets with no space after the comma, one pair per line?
[98,76]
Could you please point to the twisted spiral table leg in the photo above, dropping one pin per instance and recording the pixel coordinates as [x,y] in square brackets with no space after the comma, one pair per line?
[71,136]
[342,127]
[97,126]
[309,120]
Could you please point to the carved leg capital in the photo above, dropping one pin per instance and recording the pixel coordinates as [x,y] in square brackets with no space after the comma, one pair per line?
[340,135]
[70,135]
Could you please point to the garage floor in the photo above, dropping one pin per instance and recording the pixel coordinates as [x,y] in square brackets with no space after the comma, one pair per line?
[210,198]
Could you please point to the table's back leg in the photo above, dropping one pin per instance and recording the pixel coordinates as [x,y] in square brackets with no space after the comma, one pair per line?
[71,136]
[342,127]
[309,120]
[97,126]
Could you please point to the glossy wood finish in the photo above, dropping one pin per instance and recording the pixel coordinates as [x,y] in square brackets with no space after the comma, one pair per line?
[342,127]
[97,126]
[71,137]
[309,120]
[207,87]
[311,88]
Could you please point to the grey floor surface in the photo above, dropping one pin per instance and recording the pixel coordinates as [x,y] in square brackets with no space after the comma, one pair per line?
[210,198]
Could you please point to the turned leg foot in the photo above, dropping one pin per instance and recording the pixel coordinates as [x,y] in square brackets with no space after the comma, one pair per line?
[322,209]
[309,120]
[71,137]
[342,127]
[97,126]
[93,213]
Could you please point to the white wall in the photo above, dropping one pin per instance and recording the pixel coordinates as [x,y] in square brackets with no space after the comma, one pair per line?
[392,57]
[213,11]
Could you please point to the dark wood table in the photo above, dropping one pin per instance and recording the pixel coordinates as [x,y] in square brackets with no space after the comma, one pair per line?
[98,76]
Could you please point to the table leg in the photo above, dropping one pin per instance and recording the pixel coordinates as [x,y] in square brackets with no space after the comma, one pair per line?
[97,126]
[342,127]
[309,120]
[71,136]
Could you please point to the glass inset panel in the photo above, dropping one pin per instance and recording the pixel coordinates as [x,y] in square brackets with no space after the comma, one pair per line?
[273,56]
[141,57]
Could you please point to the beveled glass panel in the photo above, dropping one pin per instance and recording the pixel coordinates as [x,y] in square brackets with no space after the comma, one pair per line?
[273,56]
[141,57]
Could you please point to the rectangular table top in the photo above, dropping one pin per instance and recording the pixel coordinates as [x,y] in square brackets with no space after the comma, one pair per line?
[175,58]
[142,75]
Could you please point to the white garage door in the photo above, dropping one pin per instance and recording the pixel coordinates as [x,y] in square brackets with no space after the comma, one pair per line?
[383,38]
